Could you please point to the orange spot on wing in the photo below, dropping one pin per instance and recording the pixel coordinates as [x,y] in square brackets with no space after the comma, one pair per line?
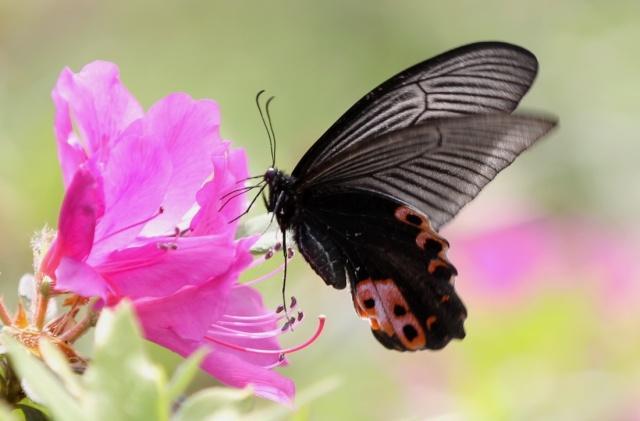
[366,291]
[430,321]
[403,213]
[374,324]
[411,217]
[381,315]
[435,264]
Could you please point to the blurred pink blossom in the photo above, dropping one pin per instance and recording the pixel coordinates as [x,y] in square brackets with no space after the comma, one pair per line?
[512,260]
[140,220]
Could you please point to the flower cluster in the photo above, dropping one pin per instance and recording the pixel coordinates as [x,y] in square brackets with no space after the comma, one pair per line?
[141,219]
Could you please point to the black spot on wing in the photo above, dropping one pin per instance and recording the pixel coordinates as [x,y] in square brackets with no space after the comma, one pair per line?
[414,219]
[399,310]
[432,248]
[409,332]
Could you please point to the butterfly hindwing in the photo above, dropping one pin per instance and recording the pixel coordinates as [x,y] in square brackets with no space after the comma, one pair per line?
[321,252]
[396,265]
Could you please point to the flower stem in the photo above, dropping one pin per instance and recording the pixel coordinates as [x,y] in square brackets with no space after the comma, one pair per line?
[42,302]
[81,327]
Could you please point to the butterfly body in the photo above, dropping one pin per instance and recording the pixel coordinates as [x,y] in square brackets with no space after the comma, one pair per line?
[366,201]
[282,201]
[396,265]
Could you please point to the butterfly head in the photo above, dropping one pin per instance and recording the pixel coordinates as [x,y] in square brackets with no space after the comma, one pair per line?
[271,174]
[281,199]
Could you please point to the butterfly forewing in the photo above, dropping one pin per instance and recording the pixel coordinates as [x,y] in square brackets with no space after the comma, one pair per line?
[485,77]
[436,167]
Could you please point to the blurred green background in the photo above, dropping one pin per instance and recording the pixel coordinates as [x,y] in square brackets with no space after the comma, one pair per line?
[555,336]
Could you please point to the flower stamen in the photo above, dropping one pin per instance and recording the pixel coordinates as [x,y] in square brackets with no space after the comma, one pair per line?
[249,324]
[167,246]
[281,361]
[135,224]
[234,333]
[265,276]
[319,329]
[266,316]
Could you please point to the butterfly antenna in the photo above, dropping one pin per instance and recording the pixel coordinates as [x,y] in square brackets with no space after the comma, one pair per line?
[273,134]
[239,192]
[229,193]
[264,122]
[250,178]
[250,205]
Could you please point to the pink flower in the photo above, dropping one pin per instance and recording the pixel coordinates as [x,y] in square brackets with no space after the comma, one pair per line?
[140,220]
[511,260]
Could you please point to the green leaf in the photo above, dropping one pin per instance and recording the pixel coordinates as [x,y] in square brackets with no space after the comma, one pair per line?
[57,362]
[6,414]
[212,403]
[122,383]
[38,408]
[43,382]
[32,413]
[278,412]
[185,373]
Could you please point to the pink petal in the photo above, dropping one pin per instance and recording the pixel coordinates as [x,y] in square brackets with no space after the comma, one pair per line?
[80,278]
[233,370]
[241,368]
[100,107]
[176,322]
[70,152]
[155,269]
[246,301]
[136,177]
[186,315]
[230,167]
[82,206]
[189,130]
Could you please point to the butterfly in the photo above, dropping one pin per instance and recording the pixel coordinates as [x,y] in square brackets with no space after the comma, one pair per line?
[366,201]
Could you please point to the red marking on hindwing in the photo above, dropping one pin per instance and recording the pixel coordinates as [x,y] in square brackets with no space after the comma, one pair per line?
[430,321]
[382,303]
[426,233]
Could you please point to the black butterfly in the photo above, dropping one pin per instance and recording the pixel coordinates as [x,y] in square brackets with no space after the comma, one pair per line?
[366,201]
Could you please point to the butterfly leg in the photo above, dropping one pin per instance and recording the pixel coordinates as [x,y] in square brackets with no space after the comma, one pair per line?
[285,252]
[250,205]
